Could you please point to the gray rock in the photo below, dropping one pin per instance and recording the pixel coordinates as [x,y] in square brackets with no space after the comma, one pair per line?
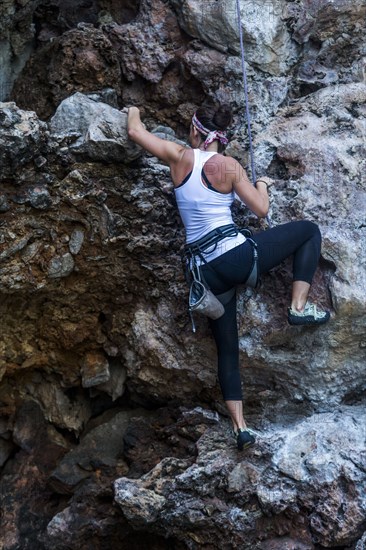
[268,44]
[40,161]
[108,96]
[61,266]
[304,472]
[94,369]
[22,134]
[361,544]
[15,247]
[76,241]
[39,198]
[96,130]
[165,132]
[137,503]
[68,413]
[101,448]
[115,385]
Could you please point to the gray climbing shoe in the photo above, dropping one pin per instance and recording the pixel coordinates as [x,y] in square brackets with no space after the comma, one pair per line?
[310,315]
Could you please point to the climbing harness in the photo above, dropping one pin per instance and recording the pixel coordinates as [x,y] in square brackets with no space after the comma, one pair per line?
[211,239]
[246,96]
[201,299]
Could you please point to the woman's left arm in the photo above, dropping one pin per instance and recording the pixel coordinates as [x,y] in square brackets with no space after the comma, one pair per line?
[167,151]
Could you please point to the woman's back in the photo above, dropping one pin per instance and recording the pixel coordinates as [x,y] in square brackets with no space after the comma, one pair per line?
[201,206]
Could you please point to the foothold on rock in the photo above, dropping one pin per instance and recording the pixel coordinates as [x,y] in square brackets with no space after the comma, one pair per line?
[98,130]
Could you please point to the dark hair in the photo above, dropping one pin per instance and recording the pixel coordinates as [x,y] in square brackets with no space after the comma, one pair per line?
[215,117]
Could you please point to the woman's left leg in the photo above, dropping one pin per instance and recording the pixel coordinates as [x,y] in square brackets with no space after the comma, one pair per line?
[301,239]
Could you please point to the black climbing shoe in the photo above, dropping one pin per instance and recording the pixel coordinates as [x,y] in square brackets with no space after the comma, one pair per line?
[309,316]
[244,439]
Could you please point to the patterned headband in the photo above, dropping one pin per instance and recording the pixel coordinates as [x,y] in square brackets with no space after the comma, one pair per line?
[211,134]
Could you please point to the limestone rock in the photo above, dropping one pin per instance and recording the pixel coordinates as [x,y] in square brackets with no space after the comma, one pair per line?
[22,136]
[158,31]
[295,511]
[96,130]
[141,505]
[268,42]
[166,357]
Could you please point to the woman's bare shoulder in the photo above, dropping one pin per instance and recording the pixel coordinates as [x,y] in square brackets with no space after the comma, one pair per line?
[224,160]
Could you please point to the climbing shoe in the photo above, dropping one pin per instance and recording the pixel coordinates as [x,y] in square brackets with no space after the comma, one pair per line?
[309,316]
[244,439]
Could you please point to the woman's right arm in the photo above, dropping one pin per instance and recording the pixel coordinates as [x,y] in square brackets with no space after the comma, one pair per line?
[167,151]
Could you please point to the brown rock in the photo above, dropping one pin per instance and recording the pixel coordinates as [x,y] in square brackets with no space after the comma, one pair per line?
[81,60]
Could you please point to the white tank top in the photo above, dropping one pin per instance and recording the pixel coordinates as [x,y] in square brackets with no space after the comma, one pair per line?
[203,209]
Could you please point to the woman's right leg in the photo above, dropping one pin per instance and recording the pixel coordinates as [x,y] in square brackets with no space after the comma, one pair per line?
[225,333]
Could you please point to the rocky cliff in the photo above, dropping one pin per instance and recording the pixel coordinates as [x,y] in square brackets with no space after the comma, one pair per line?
[112,428]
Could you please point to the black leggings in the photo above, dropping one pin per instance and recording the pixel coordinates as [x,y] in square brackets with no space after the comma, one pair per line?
[301,239]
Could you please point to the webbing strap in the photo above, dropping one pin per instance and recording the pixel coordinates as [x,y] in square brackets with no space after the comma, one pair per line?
[211,239]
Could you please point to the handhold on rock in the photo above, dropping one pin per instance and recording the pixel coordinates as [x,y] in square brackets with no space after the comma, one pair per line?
[98,131]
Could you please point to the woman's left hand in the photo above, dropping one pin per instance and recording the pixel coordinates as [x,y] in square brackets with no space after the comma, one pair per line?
[265,179]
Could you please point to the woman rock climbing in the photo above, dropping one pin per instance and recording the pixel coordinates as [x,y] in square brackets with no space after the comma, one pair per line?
[205,183]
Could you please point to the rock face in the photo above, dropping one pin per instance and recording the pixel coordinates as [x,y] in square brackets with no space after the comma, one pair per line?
[303,475]
[93,129]
[110,410]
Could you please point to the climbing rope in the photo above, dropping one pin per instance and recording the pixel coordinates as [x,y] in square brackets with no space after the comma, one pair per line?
[245,83]
[246,96]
